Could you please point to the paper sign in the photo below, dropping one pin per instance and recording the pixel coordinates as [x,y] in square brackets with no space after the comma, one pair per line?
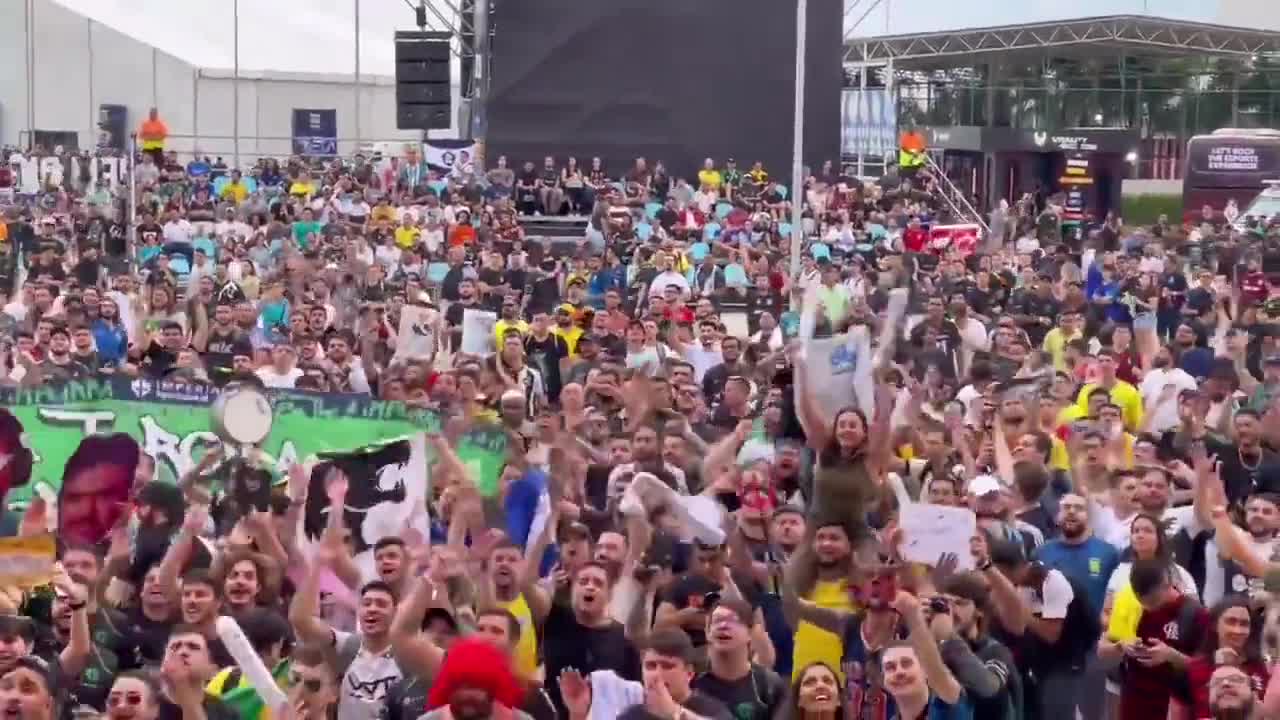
[417,333]
[929,531]
[27,562]
[477,331]
[735,324]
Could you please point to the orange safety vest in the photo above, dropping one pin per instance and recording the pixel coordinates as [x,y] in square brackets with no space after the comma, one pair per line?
[153,133]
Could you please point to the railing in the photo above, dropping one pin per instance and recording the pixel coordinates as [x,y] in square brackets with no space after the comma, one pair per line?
[955,198]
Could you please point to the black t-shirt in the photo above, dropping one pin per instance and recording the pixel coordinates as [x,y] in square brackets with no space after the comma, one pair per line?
[545,356]
[214,709]
[691,589]
[147,638]
[221,348]
[157,360]
[453,315]
[754,696]
[52,271]
[570,644]
[56,372]
[697,703]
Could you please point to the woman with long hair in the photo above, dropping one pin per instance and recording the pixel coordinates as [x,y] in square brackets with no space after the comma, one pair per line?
[1234,638]
[1146,541]
[816,694]
[110,336]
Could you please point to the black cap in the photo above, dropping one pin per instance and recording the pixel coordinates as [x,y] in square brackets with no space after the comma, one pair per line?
[439,613]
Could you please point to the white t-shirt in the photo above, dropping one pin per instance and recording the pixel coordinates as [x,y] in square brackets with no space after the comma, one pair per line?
[701,359]
[363,693]
[1164,416]
[1053,599]
[1106,526]
[1182,579]
[273,379]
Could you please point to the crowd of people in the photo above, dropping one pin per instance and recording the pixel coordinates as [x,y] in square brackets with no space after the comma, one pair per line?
[683,529]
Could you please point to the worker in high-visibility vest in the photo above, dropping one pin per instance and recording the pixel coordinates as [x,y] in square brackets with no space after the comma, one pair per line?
[911,149]
[152,135]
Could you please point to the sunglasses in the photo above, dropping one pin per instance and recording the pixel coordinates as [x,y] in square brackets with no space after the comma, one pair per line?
[130,699]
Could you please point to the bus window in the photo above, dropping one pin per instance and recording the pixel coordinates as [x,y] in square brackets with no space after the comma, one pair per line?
[1225,165]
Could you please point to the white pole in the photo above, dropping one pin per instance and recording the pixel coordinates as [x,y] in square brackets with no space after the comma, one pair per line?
[132,209]
[797,150]
[235,83]
[357,83]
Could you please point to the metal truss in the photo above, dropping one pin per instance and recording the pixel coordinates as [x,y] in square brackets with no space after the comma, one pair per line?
[1118,31]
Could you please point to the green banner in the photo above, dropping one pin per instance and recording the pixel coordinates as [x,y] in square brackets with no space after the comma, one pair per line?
[171,423]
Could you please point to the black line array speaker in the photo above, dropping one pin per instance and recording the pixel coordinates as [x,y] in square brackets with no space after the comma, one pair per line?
[669,80]
[423,97]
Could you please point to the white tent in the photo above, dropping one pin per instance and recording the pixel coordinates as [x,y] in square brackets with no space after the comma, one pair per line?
[67,58]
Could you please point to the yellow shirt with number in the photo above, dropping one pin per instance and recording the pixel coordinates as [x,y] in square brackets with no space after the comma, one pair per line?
[812,643]
[527,649]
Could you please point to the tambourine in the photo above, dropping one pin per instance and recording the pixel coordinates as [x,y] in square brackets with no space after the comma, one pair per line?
[241,416]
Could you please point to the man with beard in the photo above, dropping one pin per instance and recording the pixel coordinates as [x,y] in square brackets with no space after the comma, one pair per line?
[750,691]
[106,626]
[716,376]
[454,314]
[988,672]
[222,340]
[1238,565]
[507,566]
[1252,468]
[475,683]
[817,576]
[96,483]
[583,635]
[346,375]
[73,643]
[149,622]
[1077,553]
[1231,695]
[368,670]
[60,366]
[646,452]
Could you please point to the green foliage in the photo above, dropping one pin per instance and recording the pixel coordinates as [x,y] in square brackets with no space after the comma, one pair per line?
[1146,209]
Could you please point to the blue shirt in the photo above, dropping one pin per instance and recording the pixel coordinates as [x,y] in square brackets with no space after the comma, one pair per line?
[939,710]
[112,341]
[1089,563]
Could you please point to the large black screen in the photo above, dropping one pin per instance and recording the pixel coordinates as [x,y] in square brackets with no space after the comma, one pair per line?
[669,80]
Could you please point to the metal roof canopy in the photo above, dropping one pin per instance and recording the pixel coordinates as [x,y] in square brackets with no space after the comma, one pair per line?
[1133,33]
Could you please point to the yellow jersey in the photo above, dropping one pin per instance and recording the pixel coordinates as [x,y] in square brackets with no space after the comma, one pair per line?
[526,654]
[812,643]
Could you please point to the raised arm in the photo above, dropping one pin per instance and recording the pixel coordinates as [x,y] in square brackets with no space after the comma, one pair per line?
[939,678]
[75,656]
[304,611]
[536,596]
[413,650]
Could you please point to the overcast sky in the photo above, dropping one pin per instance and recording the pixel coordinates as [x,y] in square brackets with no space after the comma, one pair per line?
[317,35]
